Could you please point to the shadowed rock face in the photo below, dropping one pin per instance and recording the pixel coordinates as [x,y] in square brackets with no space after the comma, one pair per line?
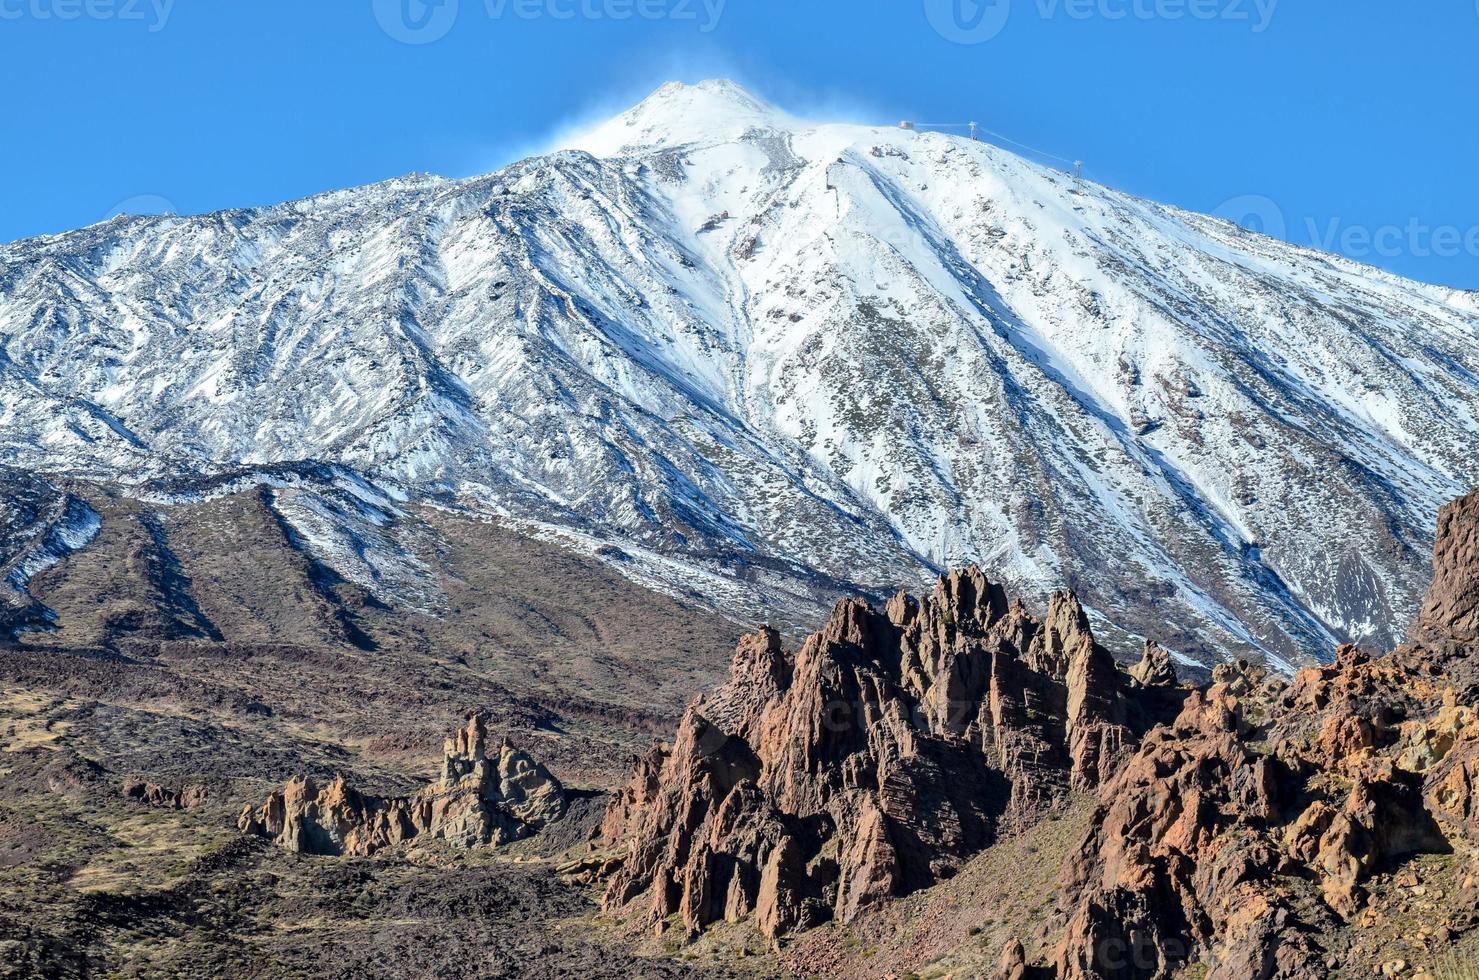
[481,799]
[877,760]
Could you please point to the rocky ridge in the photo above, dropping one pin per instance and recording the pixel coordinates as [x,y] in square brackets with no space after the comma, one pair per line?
[1255,827]
[1203,837]
[873,762]
[482,798]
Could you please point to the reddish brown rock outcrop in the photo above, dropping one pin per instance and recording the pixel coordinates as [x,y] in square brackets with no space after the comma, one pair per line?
[1256,828]
[893,747]
[1195,831]
[482,798]
[1446,749]
[1207,836]
[1155,668]
[152,794]
[1013,963]
[1451,612]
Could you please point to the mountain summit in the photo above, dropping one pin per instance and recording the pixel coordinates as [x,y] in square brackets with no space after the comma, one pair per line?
[709,112]
[764,361]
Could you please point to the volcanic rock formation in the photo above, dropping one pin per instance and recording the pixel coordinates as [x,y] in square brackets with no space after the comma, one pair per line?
[1451,612]
[163,797]
[876,761]
[1205,837]
[481,799]
[1243,830]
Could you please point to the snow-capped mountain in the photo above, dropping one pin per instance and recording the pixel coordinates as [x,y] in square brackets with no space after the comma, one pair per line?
[711,338]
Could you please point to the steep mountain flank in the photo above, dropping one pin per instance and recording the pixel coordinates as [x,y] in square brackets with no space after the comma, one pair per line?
[217,589]
[772,362]
[40,524]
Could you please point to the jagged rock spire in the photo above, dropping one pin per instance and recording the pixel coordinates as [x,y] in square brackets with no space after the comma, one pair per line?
[874,762]
[1451,612]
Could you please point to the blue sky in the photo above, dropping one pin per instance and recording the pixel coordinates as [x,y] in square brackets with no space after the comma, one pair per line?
[1352,125]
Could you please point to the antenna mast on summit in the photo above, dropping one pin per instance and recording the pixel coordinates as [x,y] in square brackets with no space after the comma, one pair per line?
[1076,167]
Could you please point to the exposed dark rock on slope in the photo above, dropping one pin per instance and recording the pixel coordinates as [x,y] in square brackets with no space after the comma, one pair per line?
[40,524]
[482,798]
[1447,630]
[1451,613]
[876,761]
